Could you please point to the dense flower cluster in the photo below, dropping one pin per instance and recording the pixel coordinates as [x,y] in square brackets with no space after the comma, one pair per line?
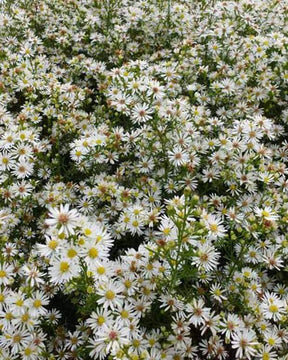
[143,179]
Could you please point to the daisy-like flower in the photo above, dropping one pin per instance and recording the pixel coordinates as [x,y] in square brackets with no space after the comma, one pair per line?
[37,302]
[266,353]
[141,113]
[30,352]
[93,253]
[272,259]
[111,295]
[230,325]
[16,340]
[75,339]
[272,338]
[53,316]
[178,157]
[215,227]
[63,270]
[109,338]
[167,229]
[22,169]
[267,213]
[170,303]
[206,257]
[98,318]
[244,342]
[6,161]
[217,292]
[18,303]
[63,219]
[6,273]
[272,306]
[211,323]
[51,248]
[25,321]
[33,275]
[199,313]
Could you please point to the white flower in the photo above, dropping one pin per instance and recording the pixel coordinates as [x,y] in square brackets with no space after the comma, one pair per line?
[93,253]
[98,318]
[33,275]
[63,270]
[267,213]
[272,306]
[217,292]
[16,340]
[230,325]
[178,157]
[244,342]
[206,257]
[22,169]
[6,273]
[37,303]
[111,295]
[199,313]
[109,338]
[141,113]
[63,219]
[214,227]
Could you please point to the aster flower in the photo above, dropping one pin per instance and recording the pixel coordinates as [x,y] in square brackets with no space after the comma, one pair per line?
[109,338]
[244,343]
[63,219]
[6,273]
[63,270]
[111,295]
[206,257]
[267,213]
[141,113]
[272,306]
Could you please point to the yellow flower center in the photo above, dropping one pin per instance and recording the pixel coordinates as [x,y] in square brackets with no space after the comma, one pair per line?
[101,320]
[265,213]
[135,223]
[25,317]
[71,253]
[64,266]
[93,253]
[87,232]
[101,270]
[149,267]
[127,284]
[124,314]
[273,308]
[218,292]
[27,351]
[37,303]
[213,227]
[53,244]
[166,231]
[99,238]
[110,295]
[19,302]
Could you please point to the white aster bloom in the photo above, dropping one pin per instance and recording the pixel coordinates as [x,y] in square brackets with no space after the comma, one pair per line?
[272,306]
[109,339]
[63,219]
[63,270]
[244,342]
